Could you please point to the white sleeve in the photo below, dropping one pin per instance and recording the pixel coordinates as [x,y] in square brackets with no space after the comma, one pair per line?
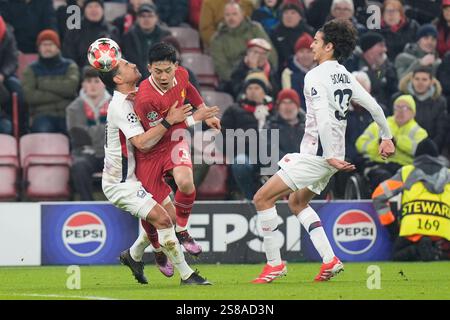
[127,121]
[364,99]
[319,105]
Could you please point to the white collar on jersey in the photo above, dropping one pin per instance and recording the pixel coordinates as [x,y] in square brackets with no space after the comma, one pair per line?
[157,88]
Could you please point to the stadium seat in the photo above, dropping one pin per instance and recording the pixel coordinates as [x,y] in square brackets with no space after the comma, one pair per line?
[45,160]
[203,68]
[214,187]
[9,167]
[189,39]
[114,10]
[215,98]
[24,60]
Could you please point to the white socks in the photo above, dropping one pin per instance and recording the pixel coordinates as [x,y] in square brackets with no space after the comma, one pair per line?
[138,247]
[269,224]
[311,222]
[172,249]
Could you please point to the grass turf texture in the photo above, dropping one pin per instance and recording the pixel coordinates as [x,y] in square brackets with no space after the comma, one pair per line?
[231,282]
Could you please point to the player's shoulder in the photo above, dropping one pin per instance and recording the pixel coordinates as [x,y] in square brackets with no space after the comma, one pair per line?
[182,74]
[145,91]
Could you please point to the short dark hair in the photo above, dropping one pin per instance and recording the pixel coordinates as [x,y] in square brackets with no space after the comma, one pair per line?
[89,73]
[423,69]
[162,51]
[108,78]
[342,34]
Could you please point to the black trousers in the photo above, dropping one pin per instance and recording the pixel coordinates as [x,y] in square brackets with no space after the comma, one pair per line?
[83,166]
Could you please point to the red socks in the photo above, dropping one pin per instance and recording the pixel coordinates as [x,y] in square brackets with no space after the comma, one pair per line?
[183,205]
[151,233]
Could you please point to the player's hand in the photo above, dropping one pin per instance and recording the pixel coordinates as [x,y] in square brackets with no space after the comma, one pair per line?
[341,165]
[214,123]
[177,115]
[386,149]
[205,113]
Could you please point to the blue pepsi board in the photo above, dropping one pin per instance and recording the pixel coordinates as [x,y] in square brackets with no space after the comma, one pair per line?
[354,231]
[80,233]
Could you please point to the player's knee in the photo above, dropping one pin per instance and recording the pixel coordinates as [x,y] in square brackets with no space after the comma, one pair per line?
[260,200]
[295,204]
[159,217]
[185,185]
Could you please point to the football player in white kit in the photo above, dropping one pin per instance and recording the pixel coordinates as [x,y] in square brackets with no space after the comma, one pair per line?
[124,132]
[328,90]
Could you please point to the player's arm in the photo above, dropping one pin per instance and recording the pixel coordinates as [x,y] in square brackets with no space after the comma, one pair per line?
[363,98]
[145,141]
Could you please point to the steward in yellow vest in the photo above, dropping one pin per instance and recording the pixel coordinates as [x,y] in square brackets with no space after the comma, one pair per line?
[407,134]
[423,224]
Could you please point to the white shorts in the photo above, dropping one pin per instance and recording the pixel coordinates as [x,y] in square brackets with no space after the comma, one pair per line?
[131,197]
[303,170]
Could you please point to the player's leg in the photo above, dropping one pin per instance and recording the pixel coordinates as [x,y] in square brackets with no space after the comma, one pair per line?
[299,206]
[175,253]
[133,256]
[184,201]
[264,201]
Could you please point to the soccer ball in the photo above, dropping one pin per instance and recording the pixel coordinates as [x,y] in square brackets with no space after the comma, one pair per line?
[104,54]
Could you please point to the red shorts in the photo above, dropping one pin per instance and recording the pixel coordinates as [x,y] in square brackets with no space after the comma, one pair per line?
[152,169]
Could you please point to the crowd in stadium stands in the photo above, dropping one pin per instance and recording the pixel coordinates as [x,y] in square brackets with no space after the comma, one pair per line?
[260,51]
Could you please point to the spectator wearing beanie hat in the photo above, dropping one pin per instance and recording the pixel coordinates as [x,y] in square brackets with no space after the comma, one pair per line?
[397,28]
[371,58]
[256,59]
[406,133]
[293,24]
[421,53]
[293,76]
[28,19]
[93,26]
[289,120]
[50,84]
[249,113]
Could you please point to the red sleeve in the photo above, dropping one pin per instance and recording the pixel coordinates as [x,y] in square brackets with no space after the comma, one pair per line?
[193,95]
[142,106]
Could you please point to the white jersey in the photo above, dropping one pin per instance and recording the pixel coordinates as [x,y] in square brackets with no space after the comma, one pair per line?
[328,90]
[122,124]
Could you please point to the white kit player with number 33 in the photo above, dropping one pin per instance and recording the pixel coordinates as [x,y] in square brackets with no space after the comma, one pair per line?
[328,90]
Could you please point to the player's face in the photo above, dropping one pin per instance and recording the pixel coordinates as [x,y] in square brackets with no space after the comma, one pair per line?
[318,47]
[128,72]
[163,72]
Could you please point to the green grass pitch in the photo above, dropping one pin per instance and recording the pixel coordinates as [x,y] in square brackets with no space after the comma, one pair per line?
[231,282]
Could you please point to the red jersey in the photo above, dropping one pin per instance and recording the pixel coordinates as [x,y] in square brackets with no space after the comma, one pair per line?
[152,105]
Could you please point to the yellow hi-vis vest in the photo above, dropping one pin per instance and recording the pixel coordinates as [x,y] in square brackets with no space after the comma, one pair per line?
[423,212]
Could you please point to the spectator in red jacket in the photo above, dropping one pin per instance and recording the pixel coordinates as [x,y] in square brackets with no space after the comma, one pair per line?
[443,27]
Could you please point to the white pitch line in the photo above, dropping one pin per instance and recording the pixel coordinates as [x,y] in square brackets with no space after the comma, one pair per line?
[57,296]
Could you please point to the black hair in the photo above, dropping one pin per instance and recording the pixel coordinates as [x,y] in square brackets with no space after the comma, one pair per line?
[342,34]
[162,51]
[89,73]
[423,69]
[108,78]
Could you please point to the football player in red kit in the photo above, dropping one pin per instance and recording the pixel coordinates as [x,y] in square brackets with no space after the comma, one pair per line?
[168,84]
